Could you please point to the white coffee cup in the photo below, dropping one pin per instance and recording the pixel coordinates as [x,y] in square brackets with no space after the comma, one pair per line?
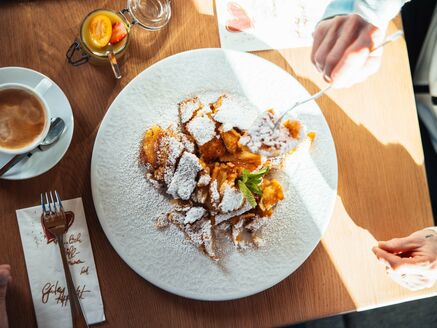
[38,92]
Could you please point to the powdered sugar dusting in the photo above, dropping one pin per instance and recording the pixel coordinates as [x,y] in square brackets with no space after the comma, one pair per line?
[265,139]
[188,144]
[184,179]
[232,199]
[187,108]
[194,214]
[235,114]
[215,196]
[174,151]
[257,223]
[226,216]
[204,180]
[202,129]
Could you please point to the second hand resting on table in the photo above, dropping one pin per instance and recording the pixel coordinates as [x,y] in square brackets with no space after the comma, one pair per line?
[410,261]
[342,53]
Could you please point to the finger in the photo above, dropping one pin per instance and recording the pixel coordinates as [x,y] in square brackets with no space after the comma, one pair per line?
[5,266]
[368,37]
[400,245]
[348,35]
[396,262]
[327,43]
[350,64]
[390,259]
[318,37]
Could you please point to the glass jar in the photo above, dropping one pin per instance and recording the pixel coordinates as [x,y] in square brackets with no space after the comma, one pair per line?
[151,15]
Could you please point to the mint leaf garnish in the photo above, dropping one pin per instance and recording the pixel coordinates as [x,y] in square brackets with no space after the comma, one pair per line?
[249,184]
[246,192]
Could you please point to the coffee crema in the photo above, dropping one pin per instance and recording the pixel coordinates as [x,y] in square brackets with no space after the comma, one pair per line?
[22,118]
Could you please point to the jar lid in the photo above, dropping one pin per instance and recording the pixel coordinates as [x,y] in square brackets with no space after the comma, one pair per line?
[150,14]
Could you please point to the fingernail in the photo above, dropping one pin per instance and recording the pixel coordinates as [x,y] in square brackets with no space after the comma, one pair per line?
[327,78]
[318,68]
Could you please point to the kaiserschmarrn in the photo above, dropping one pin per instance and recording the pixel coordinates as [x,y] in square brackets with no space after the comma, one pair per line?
[218,170]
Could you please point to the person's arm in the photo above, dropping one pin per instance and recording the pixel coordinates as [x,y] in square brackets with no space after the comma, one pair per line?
[346,35]
[411,261]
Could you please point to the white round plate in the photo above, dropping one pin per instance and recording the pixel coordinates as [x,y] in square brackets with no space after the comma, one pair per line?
[41,161]
[127,204]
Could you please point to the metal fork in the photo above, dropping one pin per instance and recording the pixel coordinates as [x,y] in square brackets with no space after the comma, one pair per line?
[55,221]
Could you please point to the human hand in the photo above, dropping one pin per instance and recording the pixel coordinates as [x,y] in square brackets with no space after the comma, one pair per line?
[342,50]
[410,261]
[5,278]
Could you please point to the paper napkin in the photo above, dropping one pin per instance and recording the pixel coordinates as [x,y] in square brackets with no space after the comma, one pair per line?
[250,25]
[46,273]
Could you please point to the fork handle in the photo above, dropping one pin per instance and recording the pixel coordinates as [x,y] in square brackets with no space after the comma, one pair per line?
[76,310]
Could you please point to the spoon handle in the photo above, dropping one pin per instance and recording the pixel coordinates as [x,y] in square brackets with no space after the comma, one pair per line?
[114,65]
[313,97]
[14,160]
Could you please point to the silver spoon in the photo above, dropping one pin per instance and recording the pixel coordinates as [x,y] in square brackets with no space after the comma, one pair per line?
[390,38]
[57,128]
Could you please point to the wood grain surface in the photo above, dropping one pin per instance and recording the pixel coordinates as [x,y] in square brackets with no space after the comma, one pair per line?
[382,185]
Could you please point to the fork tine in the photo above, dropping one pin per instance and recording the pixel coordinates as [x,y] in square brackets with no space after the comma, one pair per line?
[53,202]
[43,205]
[48,203]
[59,200]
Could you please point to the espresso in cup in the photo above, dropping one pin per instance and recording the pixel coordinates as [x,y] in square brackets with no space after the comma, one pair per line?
[23,119]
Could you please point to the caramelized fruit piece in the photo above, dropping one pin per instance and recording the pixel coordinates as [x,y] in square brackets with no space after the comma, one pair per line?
[150,144]
[100,31]
[224,172]
[272,194]
[217,104]
[119,32]
[230,139]
[293,127]
[244,158]
[311,135]
[213,149]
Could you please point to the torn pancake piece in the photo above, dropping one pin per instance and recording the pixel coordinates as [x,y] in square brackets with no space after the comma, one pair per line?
[188,108]
[202,129]
[264,139]
[184,180]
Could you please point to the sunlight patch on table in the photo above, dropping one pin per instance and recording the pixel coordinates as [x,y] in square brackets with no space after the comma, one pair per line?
[204,7]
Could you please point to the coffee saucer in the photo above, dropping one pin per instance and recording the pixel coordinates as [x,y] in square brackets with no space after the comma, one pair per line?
[59,106]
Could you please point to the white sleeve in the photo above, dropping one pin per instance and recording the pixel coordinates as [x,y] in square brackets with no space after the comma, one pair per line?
[431,228]
[376,12]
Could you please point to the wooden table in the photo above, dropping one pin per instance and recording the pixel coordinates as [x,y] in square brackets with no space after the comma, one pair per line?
[382,189]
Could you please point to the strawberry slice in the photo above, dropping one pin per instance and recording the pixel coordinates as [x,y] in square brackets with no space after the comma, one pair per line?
[119,32]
